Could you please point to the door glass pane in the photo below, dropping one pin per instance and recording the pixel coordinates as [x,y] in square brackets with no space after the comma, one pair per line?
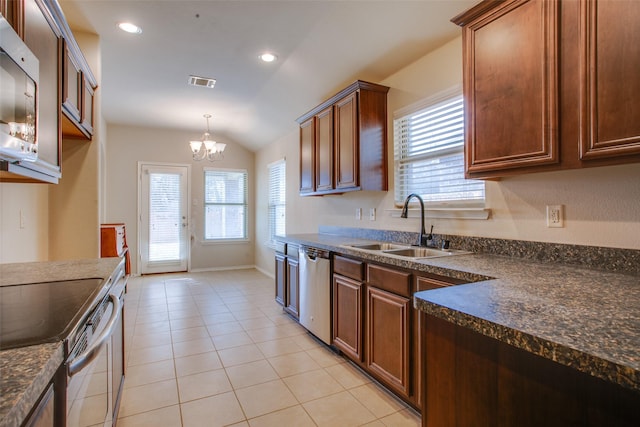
[164,217]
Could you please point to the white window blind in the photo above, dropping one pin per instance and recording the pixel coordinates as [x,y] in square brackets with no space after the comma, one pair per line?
[429,155]
[225,204]
[277,199]
[164,217]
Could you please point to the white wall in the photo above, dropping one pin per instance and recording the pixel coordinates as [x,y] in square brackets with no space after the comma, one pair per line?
[602,205]
[127,145]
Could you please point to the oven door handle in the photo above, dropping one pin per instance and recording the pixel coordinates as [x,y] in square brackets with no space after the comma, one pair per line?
[89,355]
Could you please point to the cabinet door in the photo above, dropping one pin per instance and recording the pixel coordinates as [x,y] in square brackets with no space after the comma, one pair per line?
[324,150]
[347,316]
[14,14]
[510,87]
[71,86]
[346,142]
[307,156]
[44,39]
[422,284]
[87,106]
[388,338]
[281,277]
[610,63]
[292,293]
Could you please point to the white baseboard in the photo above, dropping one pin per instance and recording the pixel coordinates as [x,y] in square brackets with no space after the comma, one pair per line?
[265,272]
[233,267]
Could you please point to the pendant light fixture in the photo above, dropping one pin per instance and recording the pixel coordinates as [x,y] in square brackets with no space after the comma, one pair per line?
[207,148]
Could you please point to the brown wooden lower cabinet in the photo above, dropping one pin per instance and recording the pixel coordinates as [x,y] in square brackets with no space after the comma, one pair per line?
[372,323]
[287,287]
[375,324]
[292,300]
[423,283]
[388,336]
[474,380]
[281,277]
[347,316]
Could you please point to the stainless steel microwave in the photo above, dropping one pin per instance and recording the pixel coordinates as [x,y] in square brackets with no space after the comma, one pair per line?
[19,72]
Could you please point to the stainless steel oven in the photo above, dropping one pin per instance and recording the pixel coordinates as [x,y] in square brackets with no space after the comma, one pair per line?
[95,364]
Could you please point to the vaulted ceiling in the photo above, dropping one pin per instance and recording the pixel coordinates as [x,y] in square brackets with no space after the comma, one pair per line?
[321,46]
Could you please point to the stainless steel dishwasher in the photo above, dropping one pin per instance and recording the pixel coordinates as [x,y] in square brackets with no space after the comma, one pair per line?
[315,292]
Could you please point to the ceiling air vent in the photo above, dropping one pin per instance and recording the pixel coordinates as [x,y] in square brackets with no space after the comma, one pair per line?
[202,81]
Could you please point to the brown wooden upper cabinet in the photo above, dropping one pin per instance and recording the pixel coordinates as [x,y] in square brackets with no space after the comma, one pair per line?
[35,23]
[343,142]
[44,38]
[511,100]
[610,87]
[324,150]
[78,87]
[550,84]
[65,90]
[72,85]
[307,156]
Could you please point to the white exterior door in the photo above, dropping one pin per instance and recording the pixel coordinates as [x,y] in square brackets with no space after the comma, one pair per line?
[164,218]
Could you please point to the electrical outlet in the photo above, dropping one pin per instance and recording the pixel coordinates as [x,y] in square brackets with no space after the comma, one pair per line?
[555,214]
[358,214]
[22,219]
[372,214]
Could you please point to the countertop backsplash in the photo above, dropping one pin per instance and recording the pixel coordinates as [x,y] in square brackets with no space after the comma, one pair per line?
[625,261]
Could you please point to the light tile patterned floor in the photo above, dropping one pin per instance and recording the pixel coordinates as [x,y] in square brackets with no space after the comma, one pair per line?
[214,349]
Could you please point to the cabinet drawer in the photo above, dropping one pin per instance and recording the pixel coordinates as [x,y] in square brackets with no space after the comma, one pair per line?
[424,283]
[348,267]
[292,251]
[394,281]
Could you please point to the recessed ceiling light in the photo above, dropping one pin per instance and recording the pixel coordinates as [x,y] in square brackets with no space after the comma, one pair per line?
[129,27]
[268,57]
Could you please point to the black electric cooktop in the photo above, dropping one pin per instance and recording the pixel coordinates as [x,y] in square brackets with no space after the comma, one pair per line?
[39,313]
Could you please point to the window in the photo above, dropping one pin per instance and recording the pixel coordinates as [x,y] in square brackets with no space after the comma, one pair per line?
[429,154]
[225,204]
[277,198]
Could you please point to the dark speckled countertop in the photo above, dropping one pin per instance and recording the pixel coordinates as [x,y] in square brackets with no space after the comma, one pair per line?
[581,317]
[25,372]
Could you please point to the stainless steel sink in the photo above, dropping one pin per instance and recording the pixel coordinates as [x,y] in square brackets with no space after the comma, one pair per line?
[406,251]
[421,252]
[378,246]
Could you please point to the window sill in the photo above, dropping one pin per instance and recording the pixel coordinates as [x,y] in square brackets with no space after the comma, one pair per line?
[445,213]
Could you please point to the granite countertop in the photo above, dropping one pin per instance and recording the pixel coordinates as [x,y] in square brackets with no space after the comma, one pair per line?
[584,318]
[35,272]
[24,375]
[25,372]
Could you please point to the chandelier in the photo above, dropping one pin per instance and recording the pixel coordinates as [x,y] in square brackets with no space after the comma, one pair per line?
[207,148]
